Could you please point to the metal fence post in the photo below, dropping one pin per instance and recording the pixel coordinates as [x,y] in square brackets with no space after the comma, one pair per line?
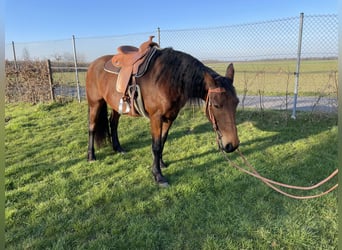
[158,30]
[14,56]
[15,63]
[298,65]
[48,65]
[76,69]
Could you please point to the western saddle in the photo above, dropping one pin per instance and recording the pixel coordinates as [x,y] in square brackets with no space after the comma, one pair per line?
[129,63]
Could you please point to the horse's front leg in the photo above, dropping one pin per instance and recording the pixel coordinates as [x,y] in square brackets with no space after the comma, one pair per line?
[114,122]
[157,150]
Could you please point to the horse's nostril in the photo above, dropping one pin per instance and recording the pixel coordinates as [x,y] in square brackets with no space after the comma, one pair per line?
[230,148]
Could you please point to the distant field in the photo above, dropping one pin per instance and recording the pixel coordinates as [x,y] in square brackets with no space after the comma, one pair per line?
[278,66]
[318,77]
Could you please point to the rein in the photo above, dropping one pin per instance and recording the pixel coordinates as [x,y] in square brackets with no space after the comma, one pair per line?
[252,171]
[272,184]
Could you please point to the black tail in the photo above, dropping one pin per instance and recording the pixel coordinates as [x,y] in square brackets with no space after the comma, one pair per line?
[101,125]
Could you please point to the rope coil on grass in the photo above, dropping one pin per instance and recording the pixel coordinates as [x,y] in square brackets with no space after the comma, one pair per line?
[272,183]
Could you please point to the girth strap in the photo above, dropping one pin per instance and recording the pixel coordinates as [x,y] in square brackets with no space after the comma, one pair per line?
[137,101]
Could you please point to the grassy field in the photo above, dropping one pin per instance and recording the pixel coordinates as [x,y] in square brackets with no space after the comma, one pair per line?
[318,77]
[55,199]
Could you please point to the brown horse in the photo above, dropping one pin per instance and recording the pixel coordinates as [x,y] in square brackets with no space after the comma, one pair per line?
[172,78]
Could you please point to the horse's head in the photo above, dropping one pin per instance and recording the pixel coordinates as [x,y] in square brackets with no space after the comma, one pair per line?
[221,103]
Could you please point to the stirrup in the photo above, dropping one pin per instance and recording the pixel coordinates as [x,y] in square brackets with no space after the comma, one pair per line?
[121,102]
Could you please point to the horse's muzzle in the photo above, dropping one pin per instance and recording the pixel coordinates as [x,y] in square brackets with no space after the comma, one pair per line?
[229,148]
[229,145]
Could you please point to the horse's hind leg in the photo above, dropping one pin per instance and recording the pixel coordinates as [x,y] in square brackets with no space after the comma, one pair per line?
[158,139]
[165,131]
[114,122]
[92,112]
[98,126]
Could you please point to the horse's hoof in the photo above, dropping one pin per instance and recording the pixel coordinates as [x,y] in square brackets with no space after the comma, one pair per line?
[162,164]
[161,181]
[120,151]
[163,184]
[91,158]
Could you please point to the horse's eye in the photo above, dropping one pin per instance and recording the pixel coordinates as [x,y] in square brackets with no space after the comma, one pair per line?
[217,106]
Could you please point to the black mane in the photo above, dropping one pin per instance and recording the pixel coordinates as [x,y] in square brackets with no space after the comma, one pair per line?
[186,73]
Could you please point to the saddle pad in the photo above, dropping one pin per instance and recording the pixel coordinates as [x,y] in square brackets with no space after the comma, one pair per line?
[109,67]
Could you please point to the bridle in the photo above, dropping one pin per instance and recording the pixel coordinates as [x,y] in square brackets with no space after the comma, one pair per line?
[210,113]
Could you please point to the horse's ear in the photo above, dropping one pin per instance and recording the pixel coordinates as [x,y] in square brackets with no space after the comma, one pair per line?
[230,72]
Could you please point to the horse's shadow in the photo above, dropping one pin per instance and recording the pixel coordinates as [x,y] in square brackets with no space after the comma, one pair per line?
[284,130]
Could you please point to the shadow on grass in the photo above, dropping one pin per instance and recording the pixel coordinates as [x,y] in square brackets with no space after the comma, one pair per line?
[114,203]
[236,211]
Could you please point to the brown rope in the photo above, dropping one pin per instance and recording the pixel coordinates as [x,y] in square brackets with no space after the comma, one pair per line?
[272,183]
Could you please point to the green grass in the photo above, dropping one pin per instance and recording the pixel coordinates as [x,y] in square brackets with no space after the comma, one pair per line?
[55,199]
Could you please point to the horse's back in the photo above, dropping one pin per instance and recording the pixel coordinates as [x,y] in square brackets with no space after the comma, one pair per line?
[96,68]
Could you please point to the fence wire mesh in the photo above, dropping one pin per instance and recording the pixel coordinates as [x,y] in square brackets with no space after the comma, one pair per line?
[264,56]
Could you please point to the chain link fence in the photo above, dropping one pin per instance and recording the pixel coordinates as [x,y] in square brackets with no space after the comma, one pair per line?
[264,56]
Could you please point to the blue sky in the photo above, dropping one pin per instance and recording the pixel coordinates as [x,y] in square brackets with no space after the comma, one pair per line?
[38,20]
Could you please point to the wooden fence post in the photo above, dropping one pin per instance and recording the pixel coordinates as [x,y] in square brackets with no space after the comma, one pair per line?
[50,80]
